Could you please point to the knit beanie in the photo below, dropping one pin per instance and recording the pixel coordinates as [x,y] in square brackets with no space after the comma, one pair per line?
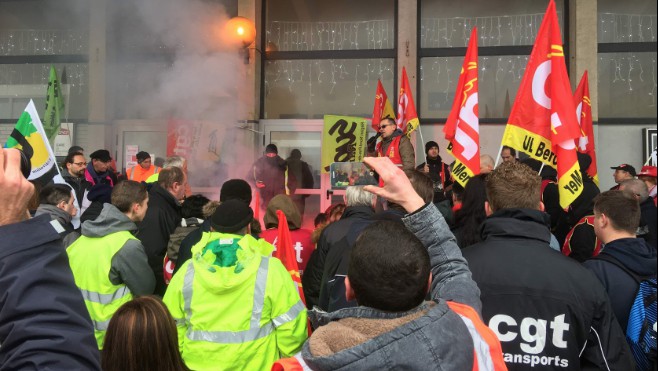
[231,216]
[235,189]
[271,148]
[142,156]
[429,145]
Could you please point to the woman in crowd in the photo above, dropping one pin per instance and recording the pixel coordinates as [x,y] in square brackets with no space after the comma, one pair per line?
[470,216]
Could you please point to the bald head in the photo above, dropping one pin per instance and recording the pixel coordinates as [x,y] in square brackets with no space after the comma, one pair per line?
[486,164]
[637,187]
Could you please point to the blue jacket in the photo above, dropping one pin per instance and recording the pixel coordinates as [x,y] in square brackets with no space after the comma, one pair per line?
[43,320]
[638,257]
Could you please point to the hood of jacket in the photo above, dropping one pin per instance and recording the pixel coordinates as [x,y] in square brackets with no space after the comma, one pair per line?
[285,204]
[387,141]
[223,261]
[55,213]
[517,223]
[359,212]
[634,253]
[109,221]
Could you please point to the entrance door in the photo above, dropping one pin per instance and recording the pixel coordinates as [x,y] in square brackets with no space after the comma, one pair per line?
[305,135]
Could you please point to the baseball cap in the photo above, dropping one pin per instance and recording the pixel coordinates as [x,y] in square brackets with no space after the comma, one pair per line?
[648,171]
[625,167]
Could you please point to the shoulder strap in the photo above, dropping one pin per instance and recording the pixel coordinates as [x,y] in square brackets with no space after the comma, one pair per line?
[615,261]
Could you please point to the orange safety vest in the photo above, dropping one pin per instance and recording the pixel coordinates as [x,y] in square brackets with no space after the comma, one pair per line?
[138,174]
[566,248]
[393,150]
[487,351]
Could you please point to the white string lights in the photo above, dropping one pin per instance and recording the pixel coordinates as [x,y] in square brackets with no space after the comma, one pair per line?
[621,28]
[77,74]
[42,42]
[626,85]
[306,36]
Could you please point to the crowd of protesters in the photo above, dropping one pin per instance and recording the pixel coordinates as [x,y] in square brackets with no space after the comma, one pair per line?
[420,272]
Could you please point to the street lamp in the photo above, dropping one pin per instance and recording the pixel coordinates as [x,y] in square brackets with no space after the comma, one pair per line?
[242,31]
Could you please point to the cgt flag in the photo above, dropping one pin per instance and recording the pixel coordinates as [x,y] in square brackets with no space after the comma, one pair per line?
[285,252]
[383,107]
[54,106]
[407,117]
[462,129]
[543,120]
[584,113]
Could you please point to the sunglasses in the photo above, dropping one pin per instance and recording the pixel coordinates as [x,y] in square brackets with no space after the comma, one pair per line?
[384,126]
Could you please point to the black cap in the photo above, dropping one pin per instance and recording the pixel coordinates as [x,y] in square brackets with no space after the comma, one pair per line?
[142,156]
[235,189]
[231,216]
[101,155]
[429,145]
[271,148]
[625,167]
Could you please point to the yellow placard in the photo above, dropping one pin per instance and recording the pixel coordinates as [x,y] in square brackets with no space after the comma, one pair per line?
[343,140]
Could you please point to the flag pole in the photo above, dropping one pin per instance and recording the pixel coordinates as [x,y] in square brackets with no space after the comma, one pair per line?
[422,141]
[500,150]
[651,156]
[541,168]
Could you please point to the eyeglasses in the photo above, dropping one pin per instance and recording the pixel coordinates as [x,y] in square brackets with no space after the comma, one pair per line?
[384,126]
[80,163]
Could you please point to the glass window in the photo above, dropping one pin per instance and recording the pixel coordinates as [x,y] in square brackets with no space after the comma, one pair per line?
[499,78]
[626,21]
[447,24]
[312,88]
[44,27]
[627,84]
[329,25]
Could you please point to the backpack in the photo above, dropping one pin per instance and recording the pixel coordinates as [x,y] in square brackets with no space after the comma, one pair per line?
[641,328]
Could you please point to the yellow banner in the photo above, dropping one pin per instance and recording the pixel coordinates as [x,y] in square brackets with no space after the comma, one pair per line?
[343,140]
[532,144]
[570,185]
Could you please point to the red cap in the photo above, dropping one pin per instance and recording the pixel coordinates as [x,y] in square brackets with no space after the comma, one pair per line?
[648,171]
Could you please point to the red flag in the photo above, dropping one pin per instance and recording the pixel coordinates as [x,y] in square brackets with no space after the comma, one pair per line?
[257,206]
[462,129]
[407,117]
[584,113]
[543,120]
[286,253]
[383,107]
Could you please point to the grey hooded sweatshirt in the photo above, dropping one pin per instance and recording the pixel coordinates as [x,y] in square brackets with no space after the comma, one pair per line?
[130,264]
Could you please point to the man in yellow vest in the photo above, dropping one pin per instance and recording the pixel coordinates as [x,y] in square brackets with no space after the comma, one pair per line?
[235,307]
[143,170]
[109,264]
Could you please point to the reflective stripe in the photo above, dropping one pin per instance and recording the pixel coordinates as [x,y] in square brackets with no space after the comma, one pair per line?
[179,321]
[290,315]
[101,325]
[105,299]
[480,347]
[132,173]
[188,280]
[231,337]
[259,293]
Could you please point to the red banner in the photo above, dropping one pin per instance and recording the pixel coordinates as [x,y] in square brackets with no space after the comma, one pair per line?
[383,107]
[584,112]
[407,117]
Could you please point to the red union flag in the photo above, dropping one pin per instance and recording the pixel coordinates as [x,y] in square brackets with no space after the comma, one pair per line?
[584,112]
[543,120]
[407,117]
[286,253]
[462,129]
[383,107]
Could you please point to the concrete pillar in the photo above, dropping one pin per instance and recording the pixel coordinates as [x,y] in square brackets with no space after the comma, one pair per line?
[583,47]
[250,93]
[407,43]
[97,60]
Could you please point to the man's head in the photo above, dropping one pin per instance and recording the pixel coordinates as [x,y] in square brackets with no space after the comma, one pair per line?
[232,216]
[60,196]
[648,176]
[356,196]
[174,180]
[389,268]
[271,150]
[387,127]
[175,161]
[235,189]
[193,206]
[508,154]
[75,164]
[513,185]
[616,215]
[431,149]
[144,160]
[73,149]
[636,187]
[131,198]
[623,172]
[422,184]
[100,160]
[486,164]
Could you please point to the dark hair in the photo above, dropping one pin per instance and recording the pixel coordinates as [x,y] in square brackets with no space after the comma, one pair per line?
[390,120]
[471,215]
[193,206]
[321,218]
[77,149]
[70,158]
[621,207]
[142,336]
[512,151]
[389,268]
[513,185]
[335,211]
[53,194]
[458,191]
[169,176]
[422,184]
[127,193]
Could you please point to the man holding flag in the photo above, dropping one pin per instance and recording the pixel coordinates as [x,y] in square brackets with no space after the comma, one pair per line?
[462,128]
[543,121]
[584,113]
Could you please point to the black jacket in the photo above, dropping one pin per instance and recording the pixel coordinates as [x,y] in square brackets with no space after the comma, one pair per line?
[79,185]
[638,257]
[185,251]
[162,218]
[436,165]
[334,232]
[526,288]
[44,324]
[648,222]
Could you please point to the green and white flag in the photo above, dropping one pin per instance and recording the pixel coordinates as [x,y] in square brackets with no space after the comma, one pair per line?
[54,106]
